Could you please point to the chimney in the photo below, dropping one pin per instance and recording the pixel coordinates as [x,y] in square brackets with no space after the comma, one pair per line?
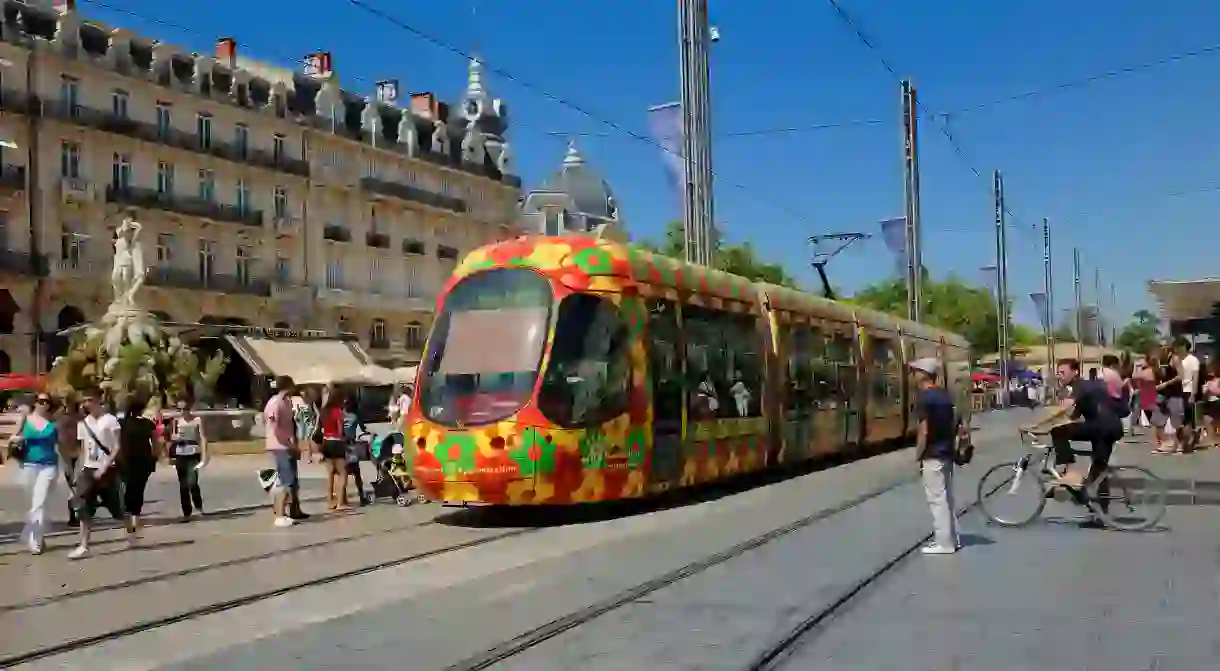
[226,52]
[424,105]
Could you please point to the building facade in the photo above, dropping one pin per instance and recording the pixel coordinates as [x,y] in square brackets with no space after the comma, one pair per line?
[574,200]
[269,197]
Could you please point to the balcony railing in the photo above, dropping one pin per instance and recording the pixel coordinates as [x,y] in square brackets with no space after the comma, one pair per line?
[22,263]
[336,233]
[172,137]
[12,176]
[225,284]
[410,246]
[195,207]
[378,240]
[413,194]
[446,252]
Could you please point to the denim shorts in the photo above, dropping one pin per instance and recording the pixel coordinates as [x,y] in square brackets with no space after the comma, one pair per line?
[285,462]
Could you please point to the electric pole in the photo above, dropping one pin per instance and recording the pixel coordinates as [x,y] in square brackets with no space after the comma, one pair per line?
[1048,316]
[1113,313]
[1097,314]
[1079,313]
[694,35]
[1001,264]
[913,231]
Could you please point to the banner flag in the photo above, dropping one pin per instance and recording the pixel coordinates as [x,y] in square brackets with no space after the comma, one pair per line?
[1039,300]
[894,234]
[665,124]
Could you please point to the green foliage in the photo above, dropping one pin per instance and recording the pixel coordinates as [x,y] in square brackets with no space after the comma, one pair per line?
[1024,336]
[737,259]
[157,366]
[953,305]
[1142,334]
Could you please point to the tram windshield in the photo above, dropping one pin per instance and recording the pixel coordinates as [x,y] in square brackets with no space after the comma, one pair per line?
[485,350]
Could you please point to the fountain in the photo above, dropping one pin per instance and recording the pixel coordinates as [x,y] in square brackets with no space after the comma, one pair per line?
[129,352]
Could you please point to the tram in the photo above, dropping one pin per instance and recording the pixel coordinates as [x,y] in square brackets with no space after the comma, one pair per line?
[562,370]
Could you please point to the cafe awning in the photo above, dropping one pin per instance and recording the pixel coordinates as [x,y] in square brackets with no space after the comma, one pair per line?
[1186,299]
[275,356]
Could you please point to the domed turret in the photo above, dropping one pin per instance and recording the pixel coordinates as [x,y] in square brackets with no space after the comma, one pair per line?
[574,199]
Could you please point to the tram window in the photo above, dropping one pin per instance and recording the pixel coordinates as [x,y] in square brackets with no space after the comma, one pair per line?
[664,363]
[588,379]
[800,375]
[723,364]
[883,371]
[841,364]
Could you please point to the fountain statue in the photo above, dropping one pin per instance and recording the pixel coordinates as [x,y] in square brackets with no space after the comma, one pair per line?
[128,352]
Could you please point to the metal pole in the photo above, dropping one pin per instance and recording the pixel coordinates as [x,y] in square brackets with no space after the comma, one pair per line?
[1001,255]
[1097,314]
[1048,316]
[1079,313]
[1113,313]
[704,88]
[694,35]
[916,220]
[690,209]
[908,194]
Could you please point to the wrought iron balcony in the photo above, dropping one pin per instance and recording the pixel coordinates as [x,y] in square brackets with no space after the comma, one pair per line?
[413,194]
[413,247]
[12,177]
[336,233]
[378,240]
[195,207]
[446,252]
[23,263]
[226,284]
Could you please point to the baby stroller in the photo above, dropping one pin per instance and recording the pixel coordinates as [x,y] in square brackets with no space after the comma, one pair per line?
[393,471]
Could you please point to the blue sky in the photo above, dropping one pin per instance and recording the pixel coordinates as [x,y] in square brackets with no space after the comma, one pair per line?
[1102,161]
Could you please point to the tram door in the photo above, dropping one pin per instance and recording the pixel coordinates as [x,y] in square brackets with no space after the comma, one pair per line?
[799,408]
[667,375]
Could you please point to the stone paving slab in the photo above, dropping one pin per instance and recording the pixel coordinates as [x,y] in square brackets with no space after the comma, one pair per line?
[1052,596]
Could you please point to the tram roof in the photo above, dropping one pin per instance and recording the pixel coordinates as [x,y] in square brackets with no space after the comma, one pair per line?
[1183,300]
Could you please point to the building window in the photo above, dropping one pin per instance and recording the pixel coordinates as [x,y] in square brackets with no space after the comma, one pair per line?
[72,246]
[120,172]
[283,270]
[243,197]
[280,202]
[207,185]
[370,168]
[414,336]
[373,227]
[412,283]
[277,147]
[118,103]
[165,249]
[245,264]
[207,260]
[69,95]
[203,130]
[375,265]
[164,123]
[165,178]
[242,139]
[69,160]
[334,270]
[377,334]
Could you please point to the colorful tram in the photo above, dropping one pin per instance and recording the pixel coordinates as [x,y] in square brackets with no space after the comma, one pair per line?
[562,370]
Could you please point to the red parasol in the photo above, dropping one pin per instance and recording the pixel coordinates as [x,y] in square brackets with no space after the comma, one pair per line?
[984,377]
[22,382]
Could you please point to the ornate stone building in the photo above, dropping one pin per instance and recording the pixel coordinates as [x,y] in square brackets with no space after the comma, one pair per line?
[269,197]
[576,199]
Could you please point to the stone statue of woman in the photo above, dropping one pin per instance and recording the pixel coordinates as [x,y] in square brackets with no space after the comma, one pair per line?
[128,274]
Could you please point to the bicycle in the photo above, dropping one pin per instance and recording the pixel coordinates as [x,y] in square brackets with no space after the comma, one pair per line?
[1002,482]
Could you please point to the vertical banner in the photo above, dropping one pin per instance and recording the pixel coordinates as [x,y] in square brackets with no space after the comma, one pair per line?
[1039,300]
[894,234]
[665,124]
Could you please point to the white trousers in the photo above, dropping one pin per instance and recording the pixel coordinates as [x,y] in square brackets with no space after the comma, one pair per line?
[938,485]
[39,481]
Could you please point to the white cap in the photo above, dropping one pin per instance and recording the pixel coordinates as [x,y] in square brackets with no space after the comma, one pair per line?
[929,365]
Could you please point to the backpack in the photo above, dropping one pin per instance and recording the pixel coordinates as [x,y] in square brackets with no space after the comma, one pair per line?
[1122,404]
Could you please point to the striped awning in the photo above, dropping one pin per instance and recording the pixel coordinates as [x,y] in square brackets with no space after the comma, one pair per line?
[1186,299]
[273,356]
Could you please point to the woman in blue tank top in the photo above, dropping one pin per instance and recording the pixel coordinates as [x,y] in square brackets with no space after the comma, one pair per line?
[38,439]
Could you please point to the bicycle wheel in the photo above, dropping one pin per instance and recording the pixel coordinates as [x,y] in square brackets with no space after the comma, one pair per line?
[1136,499]
[1001,488]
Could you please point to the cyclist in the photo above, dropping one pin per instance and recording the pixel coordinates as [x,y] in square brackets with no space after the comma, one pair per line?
[1102,427]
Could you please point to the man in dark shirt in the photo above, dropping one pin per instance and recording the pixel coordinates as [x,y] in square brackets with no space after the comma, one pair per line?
[1101,427]
[935,443]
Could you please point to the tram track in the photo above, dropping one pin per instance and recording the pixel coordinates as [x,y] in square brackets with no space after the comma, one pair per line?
[80,643]
[546,632]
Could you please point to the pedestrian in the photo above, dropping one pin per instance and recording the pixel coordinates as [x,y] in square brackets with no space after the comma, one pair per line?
[334,447]
[98,433]
[137,459]
[35,447]
[188,450]
[935,448]
[67,416]
[354,432]
[281,445]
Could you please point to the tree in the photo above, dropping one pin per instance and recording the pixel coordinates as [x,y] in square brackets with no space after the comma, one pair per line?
[1064,334]
[1141,334]
[1024,336]
[737,259]
[952,305]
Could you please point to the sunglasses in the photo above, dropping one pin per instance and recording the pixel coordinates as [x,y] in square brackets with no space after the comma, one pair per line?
[43,400]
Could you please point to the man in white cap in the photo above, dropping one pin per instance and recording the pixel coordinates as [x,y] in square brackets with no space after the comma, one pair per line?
[935,445]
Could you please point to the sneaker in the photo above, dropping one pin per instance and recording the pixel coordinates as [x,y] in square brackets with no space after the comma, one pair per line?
[80,552]
[282,522]
[935,549]
[34,546]
[299,516]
